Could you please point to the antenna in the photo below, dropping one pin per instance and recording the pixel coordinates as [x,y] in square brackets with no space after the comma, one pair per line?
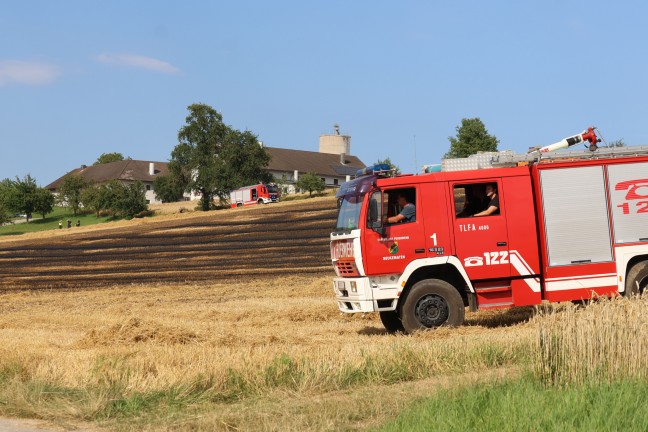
[415,163]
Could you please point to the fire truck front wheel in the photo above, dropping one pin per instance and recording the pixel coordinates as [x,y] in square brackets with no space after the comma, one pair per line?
[637,279]
[391,321]
[432,303]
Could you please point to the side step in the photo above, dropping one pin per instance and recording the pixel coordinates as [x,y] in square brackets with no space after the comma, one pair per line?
[493,295]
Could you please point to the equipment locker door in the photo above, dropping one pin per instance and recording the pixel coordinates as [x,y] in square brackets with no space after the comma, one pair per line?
[481,241]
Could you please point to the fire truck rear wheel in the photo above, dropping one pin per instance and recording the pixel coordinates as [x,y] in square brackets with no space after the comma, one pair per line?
[432,303]
[391,321]
[637,279]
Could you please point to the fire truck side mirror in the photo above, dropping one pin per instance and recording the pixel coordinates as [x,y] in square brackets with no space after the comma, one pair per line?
[375,221]
[373,213]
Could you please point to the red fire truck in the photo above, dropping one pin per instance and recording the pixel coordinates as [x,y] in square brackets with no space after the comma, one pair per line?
[255,194]
[568,226]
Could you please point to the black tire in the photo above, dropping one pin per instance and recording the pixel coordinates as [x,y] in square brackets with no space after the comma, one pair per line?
[432,303]
[637,279]
[239,204]
[259,201]
[391,321]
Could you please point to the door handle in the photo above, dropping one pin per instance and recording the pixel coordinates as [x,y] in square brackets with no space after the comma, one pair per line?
[419,250]
[501,243]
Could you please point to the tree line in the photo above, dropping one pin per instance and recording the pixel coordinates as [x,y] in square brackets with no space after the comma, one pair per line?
[22,197]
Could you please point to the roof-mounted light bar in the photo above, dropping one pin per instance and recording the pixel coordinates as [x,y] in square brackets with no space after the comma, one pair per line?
[374,169]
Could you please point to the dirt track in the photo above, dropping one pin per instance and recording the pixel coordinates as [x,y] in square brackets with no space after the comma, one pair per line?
[285,238]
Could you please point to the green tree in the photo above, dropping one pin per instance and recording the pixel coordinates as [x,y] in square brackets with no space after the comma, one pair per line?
[70,192]
[131,199]
[98,197]
[244,161]
[5,216]
[213,158]
[617,143]
[472,137]
[22,197]
[110,157]
[168,189]
[311,183]
[43,201]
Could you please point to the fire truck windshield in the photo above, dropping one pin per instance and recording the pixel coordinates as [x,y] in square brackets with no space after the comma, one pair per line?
[272,188]
[349,212]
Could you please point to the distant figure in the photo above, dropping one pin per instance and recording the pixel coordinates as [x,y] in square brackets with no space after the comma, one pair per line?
[78,222]
[69,223]
[60,224]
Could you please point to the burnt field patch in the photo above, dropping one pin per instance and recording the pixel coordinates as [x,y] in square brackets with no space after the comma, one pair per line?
[272,240]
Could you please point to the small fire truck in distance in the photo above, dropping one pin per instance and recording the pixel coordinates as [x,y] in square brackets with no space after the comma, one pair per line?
[255,194]
[567,226]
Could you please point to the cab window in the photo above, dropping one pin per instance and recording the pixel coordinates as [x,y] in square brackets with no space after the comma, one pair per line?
[399,206]
[476,200]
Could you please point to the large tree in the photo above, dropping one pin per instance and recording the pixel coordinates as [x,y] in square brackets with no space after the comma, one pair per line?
[212,158]
[472,137]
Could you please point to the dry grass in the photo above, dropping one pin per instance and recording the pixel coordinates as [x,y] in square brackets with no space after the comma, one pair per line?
[604,342]
[228,344]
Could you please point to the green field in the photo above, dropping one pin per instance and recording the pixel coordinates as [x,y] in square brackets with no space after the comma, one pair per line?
[50,222]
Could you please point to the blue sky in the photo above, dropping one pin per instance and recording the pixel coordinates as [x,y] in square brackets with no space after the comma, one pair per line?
[80,78]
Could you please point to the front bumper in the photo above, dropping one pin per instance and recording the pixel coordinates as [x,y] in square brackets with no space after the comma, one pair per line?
[362,294]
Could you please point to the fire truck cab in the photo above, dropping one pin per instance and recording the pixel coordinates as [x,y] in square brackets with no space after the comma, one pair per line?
[566,228]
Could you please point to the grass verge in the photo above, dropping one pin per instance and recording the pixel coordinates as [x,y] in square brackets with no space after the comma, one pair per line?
[527,404]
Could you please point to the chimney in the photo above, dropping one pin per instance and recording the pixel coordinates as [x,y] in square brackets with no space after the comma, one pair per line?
[343,158]
[296,175]
[261,144]
[151,168]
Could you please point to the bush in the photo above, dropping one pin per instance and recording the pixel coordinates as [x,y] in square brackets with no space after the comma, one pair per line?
[144,213]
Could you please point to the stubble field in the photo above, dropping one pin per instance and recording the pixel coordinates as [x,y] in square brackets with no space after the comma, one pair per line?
[220,321]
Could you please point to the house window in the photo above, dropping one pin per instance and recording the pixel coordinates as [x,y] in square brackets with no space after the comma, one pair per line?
[335,182]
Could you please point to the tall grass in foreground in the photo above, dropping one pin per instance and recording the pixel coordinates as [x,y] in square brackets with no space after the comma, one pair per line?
[603,342]
[526,405]
[111,390]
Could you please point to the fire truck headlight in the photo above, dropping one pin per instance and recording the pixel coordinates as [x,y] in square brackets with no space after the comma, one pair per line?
[354,287]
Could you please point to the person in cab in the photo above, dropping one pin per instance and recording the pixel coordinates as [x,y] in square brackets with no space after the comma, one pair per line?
[407,213]
[493,207]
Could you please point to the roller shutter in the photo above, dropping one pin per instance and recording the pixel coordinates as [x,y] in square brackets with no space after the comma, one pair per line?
[575,215]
